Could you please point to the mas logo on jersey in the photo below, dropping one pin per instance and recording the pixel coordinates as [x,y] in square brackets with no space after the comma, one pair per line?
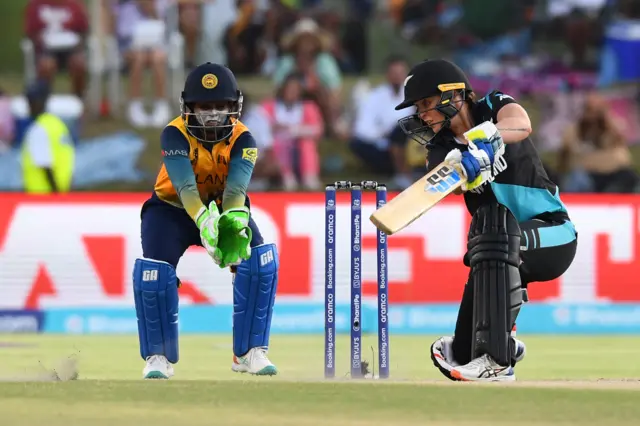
[174,152]
[209,81]
[441,181]
[250,154]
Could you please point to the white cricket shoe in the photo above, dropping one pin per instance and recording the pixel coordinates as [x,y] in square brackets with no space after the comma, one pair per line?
[254,362]
[521,350]
[158,367]
[443,360]
[442,356]
[483,369]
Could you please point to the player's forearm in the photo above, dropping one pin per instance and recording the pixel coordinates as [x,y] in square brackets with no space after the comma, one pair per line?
[191,201]
[235,192]
[184,181]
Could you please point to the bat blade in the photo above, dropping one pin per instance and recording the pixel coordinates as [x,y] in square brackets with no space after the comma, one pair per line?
[417,199]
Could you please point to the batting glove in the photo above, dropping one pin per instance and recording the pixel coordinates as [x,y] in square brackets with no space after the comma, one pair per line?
[475,164]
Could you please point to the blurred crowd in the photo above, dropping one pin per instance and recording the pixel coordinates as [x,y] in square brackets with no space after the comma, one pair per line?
[577,62]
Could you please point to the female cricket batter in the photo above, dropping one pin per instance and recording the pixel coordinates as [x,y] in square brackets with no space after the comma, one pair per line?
[520,230]
[200,199]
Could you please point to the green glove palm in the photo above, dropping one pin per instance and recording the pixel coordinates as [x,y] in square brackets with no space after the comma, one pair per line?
[234,236]
[207,220]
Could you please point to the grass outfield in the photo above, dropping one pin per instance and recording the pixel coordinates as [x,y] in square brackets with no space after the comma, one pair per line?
[563,380]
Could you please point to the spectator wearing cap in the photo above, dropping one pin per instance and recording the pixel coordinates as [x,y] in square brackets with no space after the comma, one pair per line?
[307,48]
[48,153]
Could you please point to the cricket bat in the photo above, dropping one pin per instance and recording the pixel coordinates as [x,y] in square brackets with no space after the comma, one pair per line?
[432,188]
[417,199]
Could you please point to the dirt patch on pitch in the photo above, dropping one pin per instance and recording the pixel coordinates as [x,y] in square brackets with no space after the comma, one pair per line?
[65,370]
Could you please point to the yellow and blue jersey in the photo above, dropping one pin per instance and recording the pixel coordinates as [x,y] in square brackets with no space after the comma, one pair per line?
[194,173]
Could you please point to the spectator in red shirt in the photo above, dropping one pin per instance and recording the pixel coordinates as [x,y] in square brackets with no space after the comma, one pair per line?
[58,29]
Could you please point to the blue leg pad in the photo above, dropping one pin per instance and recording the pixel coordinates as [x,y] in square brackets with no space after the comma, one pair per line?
[254,293]
[155,289]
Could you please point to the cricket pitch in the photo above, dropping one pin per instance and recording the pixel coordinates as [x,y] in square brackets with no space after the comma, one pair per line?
[564,380]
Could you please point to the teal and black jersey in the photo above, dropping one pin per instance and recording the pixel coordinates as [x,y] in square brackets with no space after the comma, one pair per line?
[523,186]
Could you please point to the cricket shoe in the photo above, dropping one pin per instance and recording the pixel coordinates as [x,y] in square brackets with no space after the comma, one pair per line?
[521,350]
[254,362]
[483,369]
[442,356]
[443,360]
[158,367]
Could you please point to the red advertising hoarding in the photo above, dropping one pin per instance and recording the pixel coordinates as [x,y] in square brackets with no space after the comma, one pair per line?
[79,249]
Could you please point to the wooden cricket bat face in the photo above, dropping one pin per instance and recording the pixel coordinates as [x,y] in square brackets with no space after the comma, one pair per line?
[416,200]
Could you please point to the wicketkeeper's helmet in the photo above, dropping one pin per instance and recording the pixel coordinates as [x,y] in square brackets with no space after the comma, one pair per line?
[214,85]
